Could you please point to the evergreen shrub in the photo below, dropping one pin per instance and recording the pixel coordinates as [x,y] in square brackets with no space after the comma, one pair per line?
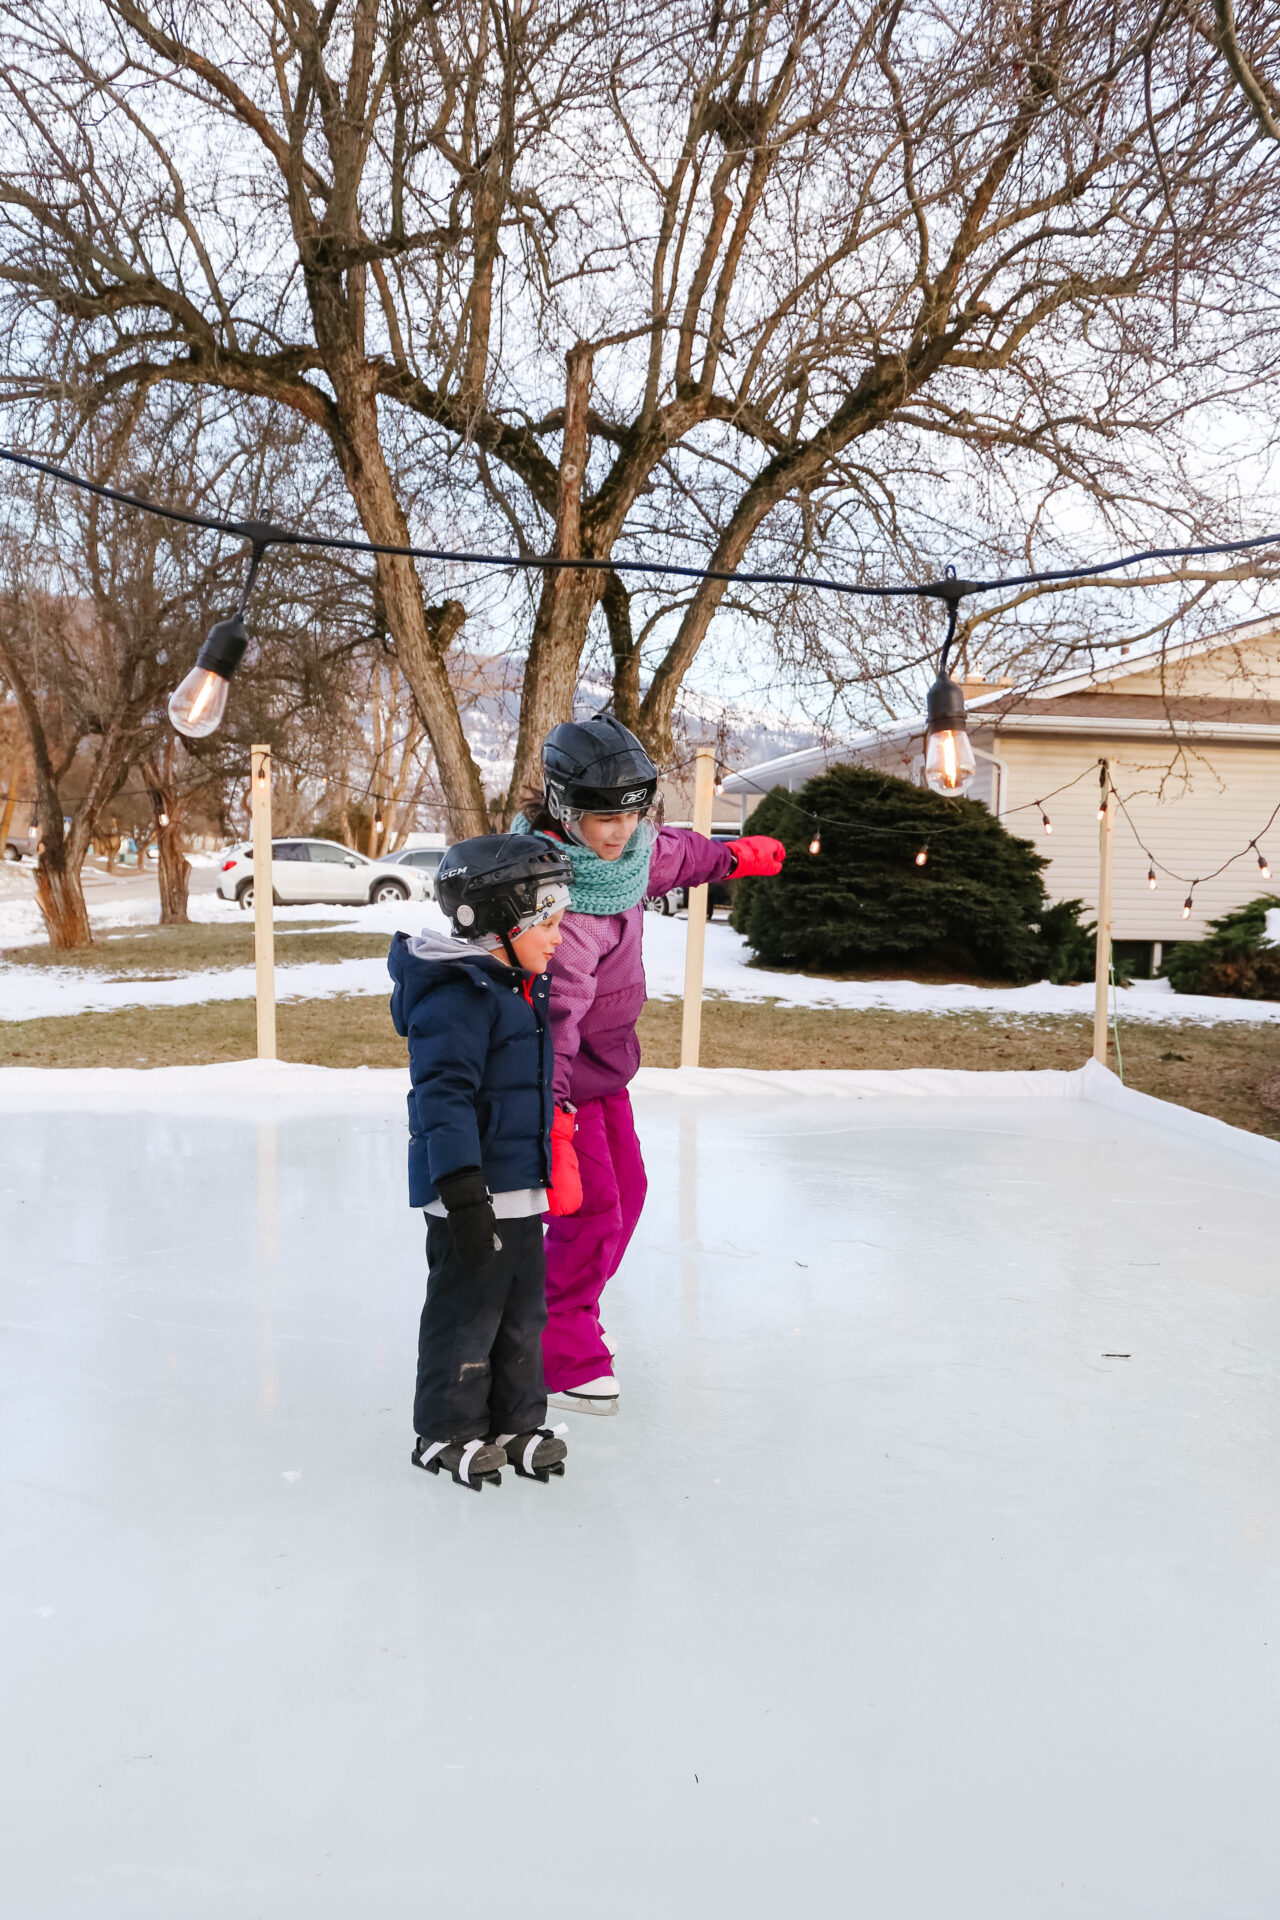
[1231,959]
[977,906]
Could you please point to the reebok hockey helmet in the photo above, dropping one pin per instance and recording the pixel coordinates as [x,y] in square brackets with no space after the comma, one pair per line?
[596,766]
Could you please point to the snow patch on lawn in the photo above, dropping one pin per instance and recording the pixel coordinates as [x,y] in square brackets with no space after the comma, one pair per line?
[28,994]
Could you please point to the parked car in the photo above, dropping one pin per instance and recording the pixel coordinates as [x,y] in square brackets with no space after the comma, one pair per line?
[320,872]
[719,892]
[423,860]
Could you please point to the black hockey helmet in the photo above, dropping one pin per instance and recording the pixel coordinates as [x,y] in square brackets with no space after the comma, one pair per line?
[596,766]
[490,884]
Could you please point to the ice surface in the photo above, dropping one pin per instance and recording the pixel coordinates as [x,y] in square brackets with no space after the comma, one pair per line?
[888,1595]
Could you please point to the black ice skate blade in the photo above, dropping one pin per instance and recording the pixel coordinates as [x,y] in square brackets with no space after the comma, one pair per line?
[472,1486]
[538,1473]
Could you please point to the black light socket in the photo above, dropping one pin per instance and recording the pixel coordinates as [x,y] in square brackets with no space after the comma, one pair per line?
[224,649]
[946,707]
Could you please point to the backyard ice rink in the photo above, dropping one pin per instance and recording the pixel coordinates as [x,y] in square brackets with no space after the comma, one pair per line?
[888,1595]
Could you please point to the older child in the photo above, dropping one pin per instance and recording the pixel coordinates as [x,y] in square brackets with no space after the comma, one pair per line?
[473,1009]
[599,788]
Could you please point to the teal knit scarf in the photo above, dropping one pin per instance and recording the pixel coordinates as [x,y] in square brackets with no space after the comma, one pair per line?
[604,886]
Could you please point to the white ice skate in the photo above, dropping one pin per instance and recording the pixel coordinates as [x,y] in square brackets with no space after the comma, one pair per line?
[593,1396]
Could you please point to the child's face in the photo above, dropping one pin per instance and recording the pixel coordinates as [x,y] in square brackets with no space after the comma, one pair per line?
[534,948]
[607,833]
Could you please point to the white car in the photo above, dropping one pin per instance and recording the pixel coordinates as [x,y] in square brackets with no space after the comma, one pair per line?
[320,872]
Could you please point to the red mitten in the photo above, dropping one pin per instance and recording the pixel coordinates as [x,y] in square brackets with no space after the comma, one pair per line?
[564,1195]
[755,855]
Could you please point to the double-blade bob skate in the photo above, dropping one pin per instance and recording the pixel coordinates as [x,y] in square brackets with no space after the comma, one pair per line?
[471,1462]
[536,1455]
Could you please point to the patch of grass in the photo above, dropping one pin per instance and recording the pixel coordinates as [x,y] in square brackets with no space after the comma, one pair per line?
[1221,1070]
[163,952]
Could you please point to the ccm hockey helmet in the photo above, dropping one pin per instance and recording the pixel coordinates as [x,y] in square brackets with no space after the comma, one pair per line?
[596,766]
[500,884]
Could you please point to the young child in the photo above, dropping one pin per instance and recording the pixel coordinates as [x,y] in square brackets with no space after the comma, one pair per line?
[473,1009]
[599,790]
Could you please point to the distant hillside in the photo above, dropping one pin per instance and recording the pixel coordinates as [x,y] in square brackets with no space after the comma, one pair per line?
[744,735]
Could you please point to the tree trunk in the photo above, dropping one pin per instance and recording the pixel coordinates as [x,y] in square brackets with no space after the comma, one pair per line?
[567,598]
[174,875]
[60,897]
[626,652]
[418,650]
[10,802]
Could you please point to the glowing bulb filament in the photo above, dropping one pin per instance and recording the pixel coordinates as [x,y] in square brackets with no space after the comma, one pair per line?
[922,856]
[1046,822]
[815,845]
[164,819]
[1151,878]
[1263,868]
[949,763]
[1186,908]
[199,703]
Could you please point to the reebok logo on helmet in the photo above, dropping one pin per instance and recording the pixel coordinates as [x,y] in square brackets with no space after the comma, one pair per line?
[633,799]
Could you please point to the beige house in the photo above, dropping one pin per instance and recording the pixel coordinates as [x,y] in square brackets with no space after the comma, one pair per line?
[1192,739]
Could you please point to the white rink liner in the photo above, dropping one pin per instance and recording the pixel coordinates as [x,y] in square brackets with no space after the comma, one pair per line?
[280,1090]
[893,1591]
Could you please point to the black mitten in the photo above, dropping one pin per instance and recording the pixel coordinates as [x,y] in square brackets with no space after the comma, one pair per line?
[468,1204]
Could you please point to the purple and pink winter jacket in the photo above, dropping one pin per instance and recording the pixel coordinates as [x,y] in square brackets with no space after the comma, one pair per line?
[597,974]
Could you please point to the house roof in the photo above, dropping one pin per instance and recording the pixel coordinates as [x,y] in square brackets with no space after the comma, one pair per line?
[1069,702]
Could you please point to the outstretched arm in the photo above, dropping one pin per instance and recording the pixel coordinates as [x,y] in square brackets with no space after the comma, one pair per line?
[682,858]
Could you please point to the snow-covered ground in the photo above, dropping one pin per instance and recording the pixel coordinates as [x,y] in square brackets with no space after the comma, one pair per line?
[929,1568]
[27,993]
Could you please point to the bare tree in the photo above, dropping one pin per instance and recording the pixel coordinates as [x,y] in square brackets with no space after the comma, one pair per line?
[101,610]
[747,284]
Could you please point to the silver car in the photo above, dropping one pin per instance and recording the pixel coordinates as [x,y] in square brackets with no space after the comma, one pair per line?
[320,873]
[424,860]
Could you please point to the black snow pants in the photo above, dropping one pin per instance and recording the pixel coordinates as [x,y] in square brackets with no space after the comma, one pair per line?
[480,1341]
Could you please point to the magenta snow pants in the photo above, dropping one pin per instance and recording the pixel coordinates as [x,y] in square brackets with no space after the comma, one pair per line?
[585,1249]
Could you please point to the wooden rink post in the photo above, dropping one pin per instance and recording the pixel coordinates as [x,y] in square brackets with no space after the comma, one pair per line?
[695,944]
[1102,952]
[264,934]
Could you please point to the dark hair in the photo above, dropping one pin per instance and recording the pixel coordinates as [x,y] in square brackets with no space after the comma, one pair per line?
[533,805]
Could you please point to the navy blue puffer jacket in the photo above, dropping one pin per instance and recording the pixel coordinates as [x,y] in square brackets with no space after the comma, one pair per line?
[480,1060]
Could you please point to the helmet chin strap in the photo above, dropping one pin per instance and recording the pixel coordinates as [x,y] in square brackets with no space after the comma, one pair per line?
[510,951]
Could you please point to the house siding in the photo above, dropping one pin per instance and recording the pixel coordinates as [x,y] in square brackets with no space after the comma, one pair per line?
[1193,816]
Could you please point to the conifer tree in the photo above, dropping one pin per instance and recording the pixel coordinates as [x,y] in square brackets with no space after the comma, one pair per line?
[976,905]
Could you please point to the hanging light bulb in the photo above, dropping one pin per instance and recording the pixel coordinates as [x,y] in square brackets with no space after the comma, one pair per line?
[377,816]
[922,856]
[1186,907]
[949,760]
[197,706]
[1151,878]
[1102,811]
[1045,821]
[262,773]
[815,845]
[164,819]
[719,786]
[1263,868]
[157,807]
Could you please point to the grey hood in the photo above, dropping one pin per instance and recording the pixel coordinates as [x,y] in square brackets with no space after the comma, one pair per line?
[430,945]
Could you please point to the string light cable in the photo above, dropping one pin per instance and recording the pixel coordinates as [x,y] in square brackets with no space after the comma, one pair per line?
[263,534]
[1186,880]
[197,707]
